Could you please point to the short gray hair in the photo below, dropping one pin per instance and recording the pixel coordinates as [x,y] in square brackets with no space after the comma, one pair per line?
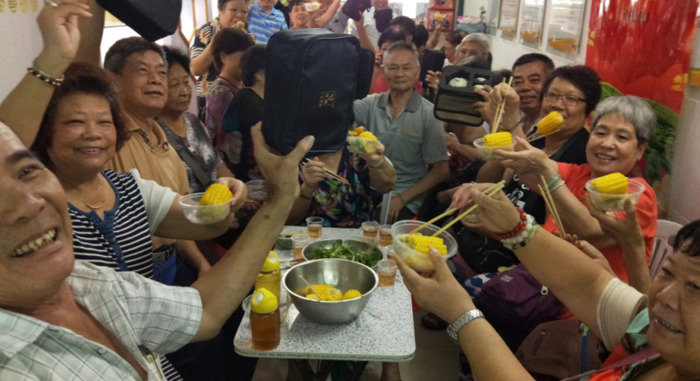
[480,39]
[632,109]
[401,45]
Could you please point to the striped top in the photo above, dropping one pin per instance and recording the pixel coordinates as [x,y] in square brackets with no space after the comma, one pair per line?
[263,25]
[122,240]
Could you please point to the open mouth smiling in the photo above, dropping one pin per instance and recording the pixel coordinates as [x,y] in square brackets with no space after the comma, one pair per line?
[35,244]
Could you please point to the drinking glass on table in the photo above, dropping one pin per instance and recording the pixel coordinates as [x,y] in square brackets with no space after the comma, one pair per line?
[385,238]
[387,272]
[299,242]
[369,231]
[315,226]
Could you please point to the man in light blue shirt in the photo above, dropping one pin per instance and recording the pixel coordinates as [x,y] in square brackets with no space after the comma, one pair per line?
[264,20]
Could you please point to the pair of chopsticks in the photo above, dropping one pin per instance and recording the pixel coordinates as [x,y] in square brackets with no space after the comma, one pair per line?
[446,213]
[538,136]
[332,174]
[291,233]
[544,190]
[499,110]
[492,190]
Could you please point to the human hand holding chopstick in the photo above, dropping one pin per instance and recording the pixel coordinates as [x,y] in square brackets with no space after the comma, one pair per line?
[495,213]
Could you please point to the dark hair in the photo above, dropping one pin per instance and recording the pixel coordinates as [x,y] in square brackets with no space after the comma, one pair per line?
[80,78]
[687,239]
[228,41]
[391,35]
[405,23]
[293,3]
[174,55]
[222,3]
[581,76]
[535,57]
[420,38]
[119,53]
[474,62]
[252,62]
[455,37]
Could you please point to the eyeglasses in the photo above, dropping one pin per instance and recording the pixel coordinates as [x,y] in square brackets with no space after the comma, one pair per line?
[568,100]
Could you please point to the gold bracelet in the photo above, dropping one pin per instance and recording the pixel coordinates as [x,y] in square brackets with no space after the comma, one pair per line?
[42,75]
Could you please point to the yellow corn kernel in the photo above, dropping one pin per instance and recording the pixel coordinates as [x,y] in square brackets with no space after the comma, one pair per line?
[359,130]
[498,139]
[312,296]
[318,287]
[614,183]
[422,244]
[352,294]
[217,193]
[368,135]
[550,123]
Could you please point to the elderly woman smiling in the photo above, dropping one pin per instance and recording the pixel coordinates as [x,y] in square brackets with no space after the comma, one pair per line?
[620,133]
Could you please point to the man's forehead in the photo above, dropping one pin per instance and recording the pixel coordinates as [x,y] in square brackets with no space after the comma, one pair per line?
[536,67]
[10,146]
[147,57]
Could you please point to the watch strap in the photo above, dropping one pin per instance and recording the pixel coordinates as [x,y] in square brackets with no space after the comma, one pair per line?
[464,319]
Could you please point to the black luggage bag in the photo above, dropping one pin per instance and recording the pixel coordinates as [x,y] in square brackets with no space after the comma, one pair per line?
[311,80]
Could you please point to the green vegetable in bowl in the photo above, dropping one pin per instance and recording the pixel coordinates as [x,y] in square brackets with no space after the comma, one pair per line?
[339,250]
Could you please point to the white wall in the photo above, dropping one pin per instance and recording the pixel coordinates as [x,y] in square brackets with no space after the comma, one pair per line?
[505,52]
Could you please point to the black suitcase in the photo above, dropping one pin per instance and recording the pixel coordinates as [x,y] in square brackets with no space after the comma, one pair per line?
[311,80]
[152,19]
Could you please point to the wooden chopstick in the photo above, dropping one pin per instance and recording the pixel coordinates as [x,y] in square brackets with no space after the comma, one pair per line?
[550,204]
[291,234]
[499,110]
[332,174]
[492,190]
[538,136]
[446,213]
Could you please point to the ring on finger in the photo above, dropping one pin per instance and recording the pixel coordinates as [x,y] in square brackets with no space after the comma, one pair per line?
[52,3]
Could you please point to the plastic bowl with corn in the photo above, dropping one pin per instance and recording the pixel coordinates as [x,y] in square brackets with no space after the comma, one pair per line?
[418,260]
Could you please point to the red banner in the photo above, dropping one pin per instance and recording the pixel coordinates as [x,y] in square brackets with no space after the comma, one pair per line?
[643,47]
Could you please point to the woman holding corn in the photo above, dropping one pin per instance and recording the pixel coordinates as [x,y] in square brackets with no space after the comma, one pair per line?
[621,130]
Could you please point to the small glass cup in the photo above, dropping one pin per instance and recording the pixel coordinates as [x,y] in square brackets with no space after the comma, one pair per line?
[299,242]
[387,272]
[385,238]
[369,231]
[314,226]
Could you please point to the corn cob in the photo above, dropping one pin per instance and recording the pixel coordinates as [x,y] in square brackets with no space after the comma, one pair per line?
[498,139]
[422,244]
[357,131]
[318,287]
[329,295]
[614,183]
[351,294]
[217,193]
[550,123]
[367,135]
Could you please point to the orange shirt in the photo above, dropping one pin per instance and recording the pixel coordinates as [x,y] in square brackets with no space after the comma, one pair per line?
[576,177]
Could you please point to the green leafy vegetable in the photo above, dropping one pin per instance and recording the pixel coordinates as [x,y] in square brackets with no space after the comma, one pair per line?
[341,250]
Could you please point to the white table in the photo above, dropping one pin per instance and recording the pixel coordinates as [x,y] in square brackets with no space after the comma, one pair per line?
[383,331]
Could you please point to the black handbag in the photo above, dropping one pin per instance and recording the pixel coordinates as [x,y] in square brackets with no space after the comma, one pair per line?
[152,19]
[456,97]
[311,81]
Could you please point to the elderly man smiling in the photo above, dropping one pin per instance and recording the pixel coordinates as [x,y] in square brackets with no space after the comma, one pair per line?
[71,320]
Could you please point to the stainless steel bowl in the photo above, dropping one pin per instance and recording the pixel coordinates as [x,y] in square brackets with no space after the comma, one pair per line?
[339,273]
[359,245]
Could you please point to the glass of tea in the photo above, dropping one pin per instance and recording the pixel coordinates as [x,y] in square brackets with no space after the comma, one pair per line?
[385,238]
[369,231]
[299,242]
[315,226]
[387,272]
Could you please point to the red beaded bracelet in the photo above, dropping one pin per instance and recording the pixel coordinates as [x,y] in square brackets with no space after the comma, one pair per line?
[519,228]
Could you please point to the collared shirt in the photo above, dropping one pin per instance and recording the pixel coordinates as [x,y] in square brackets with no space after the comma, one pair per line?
[146,316]
[158,162]
[263,24]
[413,141]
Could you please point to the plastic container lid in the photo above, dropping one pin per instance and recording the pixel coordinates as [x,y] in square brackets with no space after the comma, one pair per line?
[272,263]
[263,301]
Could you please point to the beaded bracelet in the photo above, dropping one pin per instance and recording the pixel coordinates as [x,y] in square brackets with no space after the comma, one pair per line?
[516,230]
[55,82]
[551,183]
[524,237]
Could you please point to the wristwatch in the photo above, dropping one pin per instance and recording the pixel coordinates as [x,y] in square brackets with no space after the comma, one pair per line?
[466,318]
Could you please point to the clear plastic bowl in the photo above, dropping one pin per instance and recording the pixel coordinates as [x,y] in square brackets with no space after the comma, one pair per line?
[312,6]
[203,214]
[491,153]
[615,202]
[357,144]
[415,259]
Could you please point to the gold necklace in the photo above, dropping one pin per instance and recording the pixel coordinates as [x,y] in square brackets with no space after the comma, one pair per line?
[91,206]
